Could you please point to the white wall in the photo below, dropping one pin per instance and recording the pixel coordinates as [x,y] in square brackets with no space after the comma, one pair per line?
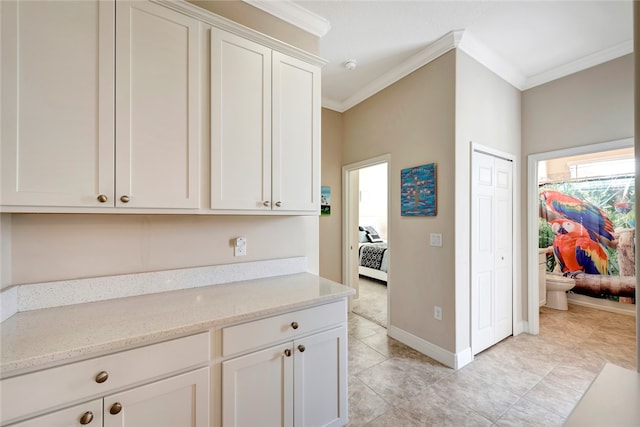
[373,198]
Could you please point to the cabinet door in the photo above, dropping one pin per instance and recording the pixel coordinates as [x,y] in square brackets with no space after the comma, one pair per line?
[182,401]
[320,379]
[257,389]
[240,123]
[296,135]
[57,85]
[157,107]
[89,414]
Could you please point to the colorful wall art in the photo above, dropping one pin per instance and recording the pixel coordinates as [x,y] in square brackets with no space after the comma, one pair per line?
[325,200]
[418,191]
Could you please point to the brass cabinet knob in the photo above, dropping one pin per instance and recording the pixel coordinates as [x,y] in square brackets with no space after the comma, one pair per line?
[124,199]
[115,408]
[294,325]
[102,377]
[86,418]
[102,198]
[301,348]
[287,352]
[278,204]
[266,203]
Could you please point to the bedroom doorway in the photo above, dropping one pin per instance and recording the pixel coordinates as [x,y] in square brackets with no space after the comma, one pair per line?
[366,237]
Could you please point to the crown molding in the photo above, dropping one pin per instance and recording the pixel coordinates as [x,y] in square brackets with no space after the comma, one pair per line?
[223,23]
[589,61]
[436,49]
[294,14]
[487,57]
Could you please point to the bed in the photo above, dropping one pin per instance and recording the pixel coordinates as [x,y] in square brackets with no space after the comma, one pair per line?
[373,254]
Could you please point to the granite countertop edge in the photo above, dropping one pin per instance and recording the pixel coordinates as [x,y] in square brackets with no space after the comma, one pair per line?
[279,295]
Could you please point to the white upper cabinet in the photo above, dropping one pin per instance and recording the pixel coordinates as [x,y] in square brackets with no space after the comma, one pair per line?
[265,129]
[240,123]
[296,135]
[57,90]
[157,107]
[100,105]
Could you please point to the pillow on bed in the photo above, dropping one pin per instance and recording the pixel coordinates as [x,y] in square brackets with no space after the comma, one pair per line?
[373,235]
[362,236]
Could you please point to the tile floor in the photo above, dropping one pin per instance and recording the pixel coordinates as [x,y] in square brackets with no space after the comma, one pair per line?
[522,381]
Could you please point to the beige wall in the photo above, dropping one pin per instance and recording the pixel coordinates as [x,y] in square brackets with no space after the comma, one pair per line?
[50,247]
[488,112]
[249,16]
[331,225]
[413,121]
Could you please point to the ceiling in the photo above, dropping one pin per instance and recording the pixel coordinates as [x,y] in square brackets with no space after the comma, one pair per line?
[527,43]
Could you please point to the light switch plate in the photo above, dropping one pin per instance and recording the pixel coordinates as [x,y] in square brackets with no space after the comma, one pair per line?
[435,239]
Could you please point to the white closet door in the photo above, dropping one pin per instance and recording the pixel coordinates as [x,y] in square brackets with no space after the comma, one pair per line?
[492,250]
[57,102]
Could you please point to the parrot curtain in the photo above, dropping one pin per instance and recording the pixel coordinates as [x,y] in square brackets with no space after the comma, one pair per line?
[588,225]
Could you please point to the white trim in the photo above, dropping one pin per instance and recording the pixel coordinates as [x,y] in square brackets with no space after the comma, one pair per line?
[604,305]
[589,61]
[466,42]
[532,217]
[294,14]
[452,360]
[436,49]
[225,24]
[487,57]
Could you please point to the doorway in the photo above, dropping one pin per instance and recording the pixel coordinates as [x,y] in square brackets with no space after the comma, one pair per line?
[366,205]
[535,160]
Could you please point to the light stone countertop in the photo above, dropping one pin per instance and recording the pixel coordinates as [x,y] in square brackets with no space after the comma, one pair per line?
[49,337]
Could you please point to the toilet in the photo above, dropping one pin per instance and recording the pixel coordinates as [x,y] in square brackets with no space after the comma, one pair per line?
[557,287]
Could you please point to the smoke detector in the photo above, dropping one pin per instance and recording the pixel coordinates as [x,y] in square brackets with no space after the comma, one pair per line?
[351,64]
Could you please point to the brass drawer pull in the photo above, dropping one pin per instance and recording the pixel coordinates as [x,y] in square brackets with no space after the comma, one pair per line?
[294,325]
[287,352]
[86,418]
[102,377]
[301,348]
[102,198]
[124,199]
[115,408]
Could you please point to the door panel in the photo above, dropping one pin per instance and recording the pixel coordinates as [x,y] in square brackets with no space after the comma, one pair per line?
[492,251]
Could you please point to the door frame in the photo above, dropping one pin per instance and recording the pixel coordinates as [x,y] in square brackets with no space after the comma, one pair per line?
[349,262]
[533,326]
[515,253]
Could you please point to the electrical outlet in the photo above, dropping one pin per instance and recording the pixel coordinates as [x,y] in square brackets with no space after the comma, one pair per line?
[240,248]
[437,312]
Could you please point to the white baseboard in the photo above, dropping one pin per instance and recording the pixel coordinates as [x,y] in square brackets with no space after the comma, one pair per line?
[452,360]
[602,304]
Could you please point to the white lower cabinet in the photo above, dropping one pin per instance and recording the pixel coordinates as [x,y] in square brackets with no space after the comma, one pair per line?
[299,382]
[160,385]
[175,401]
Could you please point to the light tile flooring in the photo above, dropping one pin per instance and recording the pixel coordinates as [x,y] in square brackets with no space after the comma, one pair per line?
[522,381]
[373,300]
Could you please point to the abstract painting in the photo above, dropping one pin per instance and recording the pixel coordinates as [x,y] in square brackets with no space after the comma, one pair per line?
[418,191]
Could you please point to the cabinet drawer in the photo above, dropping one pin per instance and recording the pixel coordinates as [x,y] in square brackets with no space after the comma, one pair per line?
[38,391]
[259,333]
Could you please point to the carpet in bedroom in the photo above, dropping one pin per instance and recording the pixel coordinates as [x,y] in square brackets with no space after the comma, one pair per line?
[373,301]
